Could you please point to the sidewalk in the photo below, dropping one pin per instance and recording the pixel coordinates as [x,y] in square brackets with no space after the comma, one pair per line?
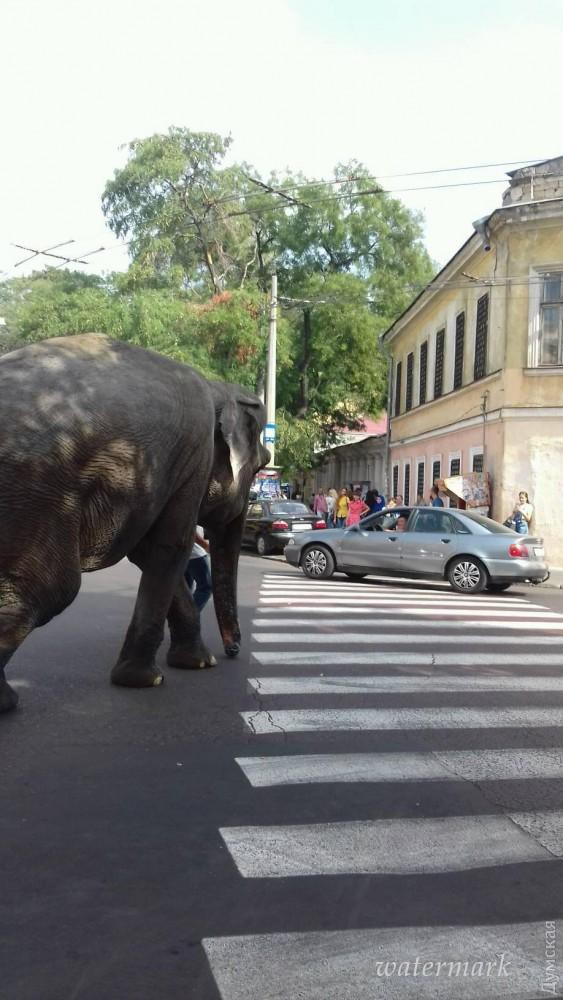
[555,579]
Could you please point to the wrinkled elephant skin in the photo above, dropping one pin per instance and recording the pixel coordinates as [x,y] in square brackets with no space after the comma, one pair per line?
[106,451]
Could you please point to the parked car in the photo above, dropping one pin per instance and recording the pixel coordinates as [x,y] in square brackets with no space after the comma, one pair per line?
[471,551]
[271,524]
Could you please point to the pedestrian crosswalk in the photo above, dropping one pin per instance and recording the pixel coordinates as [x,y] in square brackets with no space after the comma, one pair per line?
[463,690]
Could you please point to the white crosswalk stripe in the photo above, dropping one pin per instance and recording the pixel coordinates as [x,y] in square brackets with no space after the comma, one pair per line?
[426,641]
[391,684]
[437,638]
[445,765]
[405,658]
[484,962]
[305,720]
[393,846]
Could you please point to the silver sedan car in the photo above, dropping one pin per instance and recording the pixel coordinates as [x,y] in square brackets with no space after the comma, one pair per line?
[473,552]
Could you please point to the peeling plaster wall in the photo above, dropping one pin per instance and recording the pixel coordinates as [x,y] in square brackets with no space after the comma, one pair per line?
[533,461]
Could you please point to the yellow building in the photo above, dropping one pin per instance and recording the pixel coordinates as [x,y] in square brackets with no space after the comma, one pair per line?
[477,361]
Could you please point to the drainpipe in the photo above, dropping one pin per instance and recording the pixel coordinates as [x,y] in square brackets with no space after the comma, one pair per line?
[387,476]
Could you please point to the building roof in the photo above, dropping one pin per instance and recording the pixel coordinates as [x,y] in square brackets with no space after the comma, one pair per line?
[555,165]
[552,167]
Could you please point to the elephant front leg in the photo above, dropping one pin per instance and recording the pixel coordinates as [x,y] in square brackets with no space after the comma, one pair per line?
[136,664]
[187,650]
[225,549]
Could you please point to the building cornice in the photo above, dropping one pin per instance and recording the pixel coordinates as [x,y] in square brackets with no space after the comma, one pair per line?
[529,210]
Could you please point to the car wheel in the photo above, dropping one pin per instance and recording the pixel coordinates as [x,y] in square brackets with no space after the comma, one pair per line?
[317,563]
[467,575]
[496,588]
[356,576]
[262,546]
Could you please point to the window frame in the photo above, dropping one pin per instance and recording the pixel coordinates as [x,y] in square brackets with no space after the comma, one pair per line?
[441,356]
[435,459]
[537,276]
[423,374]
[409,382]
[407,464]
[398,388]
[442,512]
[459,352]
[481,334]
[473,454]
[418,463]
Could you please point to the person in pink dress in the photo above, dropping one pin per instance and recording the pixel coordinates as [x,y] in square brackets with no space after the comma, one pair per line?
[356,508]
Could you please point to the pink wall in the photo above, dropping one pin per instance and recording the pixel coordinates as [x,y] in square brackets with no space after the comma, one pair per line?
[460,444]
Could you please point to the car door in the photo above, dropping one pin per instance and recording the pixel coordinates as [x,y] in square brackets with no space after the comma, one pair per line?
[253,522]
[429,542]
[372,545]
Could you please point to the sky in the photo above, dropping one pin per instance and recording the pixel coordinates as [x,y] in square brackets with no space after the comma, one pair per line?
[403,87]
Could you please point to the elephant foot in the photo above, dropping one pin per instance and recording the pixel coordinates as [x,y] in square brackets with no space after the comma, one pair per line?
[129,674]
[8,697]
[193,657]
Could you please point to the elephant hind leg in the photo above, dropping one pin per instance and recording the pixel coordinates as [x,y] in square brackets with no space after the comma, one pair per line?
[15,625]
[43,589]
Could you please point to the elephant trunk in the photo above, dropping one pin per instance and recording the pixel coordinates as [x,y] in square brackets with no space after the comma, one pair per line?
[225,542]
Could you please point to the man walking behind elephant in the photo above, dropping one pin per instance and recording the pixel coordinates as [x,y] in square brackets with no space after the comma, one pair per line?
[198,571]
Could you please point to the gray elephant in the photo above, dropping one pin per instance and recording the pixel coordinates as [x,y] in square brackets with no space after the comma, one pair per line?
[106,451]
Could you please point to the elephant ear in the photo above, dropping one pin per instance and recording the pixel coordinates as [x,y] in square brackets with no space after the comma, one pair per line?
[241,419]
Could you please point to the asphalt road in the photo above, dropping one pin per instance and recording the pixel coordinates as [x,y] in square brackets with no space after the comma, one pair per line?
[388,786]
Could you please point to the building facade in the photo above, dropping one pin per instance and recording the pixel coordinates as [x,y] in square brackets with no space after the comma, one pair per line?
[355,463]
[476,377]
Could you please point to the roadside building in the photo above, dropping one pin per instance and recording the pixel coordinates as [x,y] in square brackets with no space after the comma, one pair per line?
[356,459]
[477,360]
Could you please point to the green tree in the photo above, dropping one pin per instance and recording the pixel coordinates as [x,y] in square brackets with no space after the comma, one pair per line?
[183,212]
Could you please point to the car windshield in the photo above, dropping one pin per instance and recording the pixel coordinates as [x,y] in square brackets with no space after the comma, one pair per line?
[290,507]
[487,522]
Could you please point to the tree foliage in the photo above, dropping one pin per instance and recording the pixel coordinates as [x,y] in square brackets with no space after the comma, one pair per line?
[203,236]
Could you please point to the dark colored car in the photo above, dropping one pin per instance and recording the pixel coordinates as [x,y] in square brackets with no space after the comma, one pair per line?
[270,524]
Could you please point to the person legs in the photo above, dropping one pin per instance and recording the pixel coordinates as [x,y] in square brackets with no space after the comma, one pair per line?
[198,572]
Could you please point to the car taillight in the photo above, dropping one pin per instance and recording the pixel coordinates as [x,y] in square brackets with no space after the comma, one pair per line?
[319,524]
[280,526]
[518,551]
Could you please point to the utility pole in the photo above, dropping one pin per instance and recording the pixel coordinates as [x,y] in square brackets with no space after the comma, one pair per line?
[270,431]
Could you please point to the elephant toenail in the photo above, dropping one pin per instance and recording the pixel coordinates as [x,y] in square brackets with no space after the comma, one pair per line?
[158,680]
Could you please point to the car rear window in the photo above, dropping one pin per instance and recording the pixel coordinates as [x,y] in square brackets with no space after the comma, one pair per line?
[290,507]
[487,523]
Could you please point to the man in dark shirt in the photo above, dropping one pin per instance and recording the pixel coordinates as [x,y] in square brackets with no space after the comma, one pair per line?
[435,498]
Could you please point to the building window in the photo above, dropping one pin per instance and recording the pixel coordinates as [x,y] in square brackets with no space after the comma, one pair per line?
[395,480]
[455,469]
[477,464]
[410,372]
[407,489]
[551,320]
[439,366]
[398,376]
[423,372]
[436,471]
[420,471]
[481,331]
[459,345]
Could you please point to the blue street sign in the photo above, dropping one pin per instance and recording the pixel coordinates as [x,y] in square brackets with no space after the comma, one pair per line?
[270,434]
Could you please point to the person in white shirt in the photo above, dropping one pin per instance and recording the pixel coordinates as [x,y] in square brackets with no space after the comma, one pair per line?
[198,571]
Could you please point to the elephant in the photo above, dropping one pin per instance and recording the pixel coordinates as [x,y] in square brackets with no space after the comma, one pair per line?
[107,451]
